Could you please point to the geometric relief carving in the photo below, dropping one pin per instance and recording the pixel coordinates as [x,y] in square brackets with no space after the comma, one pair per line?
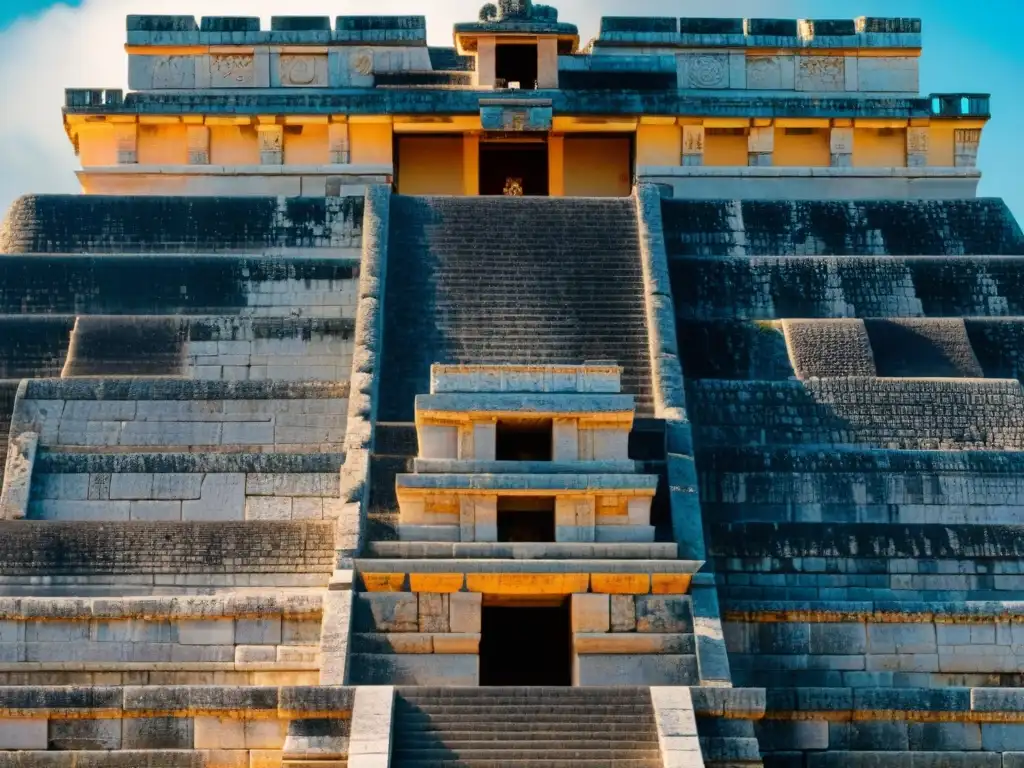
[361,61]
[709,71]
[232,71]
[302,70]
[821,73]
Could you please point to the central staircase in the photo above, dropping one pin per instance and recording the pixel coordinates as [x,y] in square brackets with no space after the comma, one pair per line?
[511,280]
[549,727]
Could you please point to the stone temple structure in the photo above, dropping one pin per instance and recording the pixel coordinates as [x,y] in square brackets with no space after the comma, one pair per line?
[654,402]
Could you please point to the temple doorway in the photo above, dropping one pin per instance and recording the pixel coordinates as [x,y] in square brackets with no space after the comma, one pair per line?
[526,645]
[516,168]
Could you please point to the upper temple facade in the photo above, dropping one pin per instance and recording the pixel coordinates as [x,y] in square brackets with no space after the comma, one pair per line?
[722,108]
[655,403]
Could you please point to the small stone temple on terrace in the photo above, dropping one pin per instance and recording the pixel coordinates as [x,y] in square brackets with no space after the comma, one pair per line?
[647,402]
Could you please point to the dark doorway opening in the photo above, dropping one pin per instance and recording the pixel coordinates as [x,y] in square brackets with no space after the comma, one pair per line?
[507,163]
[516,64]
[526,520]
[526,646]
[524,440]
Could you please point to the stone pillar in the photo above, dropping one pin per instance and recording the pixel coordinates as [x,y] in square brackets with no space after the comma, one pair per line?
[693,145]
[17,487]
[337,137]
[486,62]
[842,147]
[126,136]
[966,142]
[485,440]
[547,62]
[471,164]
[271,144]
[556,166]
[565,440]
[575,519]
[198,145]
[486,518]
[761,146]
[917,147]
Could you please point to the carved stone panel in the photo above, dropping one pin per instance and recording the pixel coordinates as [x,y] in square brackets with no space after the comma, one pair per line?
[889,74]
[706,71]
[770,73]
[302,70]
[232,71]
[821,73]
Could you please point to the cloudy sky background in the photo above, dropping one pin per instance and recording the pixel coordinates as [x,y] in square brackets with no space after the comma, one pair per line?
[47,46]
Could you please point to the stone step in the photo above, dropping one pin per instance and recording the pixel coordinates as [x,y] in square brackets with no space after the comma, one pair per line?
[473,742]
[407,762]
[529,754]
[490,730]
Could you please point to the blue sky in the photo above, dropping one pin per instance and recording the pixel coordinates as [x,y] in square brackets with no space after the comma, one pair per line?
[968,47]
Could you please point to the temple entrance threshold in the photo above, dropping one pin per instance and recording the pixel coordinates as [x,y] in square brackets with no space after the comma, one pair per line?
[529,644]
[517,168]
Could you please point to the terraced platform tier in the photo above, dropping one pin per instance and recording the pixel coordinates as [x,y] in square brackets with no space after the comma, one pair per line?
[561,278]
[551,727]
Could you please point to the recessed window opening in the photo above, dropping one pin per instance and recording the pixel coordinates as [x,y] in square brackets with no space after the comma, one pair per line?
[516,63]
[524,440]
[526,519]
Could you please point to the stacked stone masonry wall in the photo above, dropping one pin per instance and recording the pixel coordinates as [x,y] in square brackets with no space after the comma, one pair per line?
[912,414]
[97,224]
[848,228]
[233,639]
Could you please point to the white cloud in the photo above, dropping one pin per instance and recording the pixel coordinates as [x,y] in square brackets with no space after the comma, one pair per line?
[84,47]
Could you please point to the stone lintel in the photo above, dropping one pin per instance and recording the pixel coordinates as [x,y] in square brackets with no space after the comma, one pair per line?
[528,485]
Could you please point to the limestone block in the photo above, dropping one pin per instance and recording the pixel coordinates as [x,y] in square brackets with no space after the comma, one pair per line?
[131,486]
[334,639]
[198,141]
[631,643]
[255,654]
[264,734]
[434,612]
[438,442]
[258,631]
[485,441]
[663,613]
[155,510]
[889,74]
[387,612]
[611,445]
[636,670]
[467,519]
[783,735]
[227,71]
[431,670]
[771,73]
[157,733]
[17,478]
[147,73]
[639,510]
[370,732]
[66,487]
[820,73]
[23,734]
[591,613]
[84,735]
[222,498]
[224,758]
[206,632]
[486,515]
[300,631]
[177,486]
[268,508]
[219,733]
[902,638]
[465,612]
[263,758]
[623,613]
[565,440]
